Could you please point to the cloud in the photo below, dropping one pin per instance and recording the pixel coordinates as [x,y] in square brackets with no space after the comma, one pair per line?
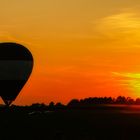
[127,75]
[130,81]
[123,26]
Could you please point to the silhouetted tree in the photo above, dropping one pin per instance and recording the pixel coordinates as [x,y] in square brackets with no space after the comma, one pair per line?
[121,100]
[96,100]
[59,106]
[51,106]
[130,100]
[73,103]
[137,101]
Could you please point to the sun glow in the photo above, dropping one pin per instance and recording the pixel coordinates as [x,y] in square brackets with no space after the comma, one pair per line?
[131,81]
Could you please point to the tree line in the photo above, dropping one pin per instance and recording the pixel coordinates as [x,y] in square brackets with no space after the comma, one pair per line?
[86,102]
[90,102]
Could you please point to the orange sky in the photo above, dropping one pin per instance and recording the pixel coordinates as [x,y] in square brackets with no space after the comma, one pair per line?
[81,48]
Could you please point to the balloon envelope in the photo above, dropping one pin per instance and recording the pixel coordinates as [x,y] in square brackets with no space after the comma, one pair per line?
[16,63]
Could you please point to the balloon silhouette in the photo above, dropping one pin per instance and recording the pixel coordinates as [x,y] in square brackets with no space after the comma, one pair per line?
[16,63]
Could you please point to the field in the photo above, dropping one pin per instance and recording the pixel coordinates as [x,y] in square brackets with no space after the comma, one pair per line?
[101,123]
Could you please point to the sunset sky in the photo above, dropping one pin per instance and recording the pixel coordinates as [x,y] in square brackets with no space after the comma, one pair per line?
[81,48]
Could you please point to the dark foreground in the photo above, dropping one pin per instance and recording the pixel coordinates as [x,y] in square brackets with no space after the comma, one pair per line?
[107,123]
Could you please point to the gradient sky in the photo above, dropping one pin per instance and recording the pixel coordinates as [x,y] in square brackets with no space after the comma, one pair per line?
[81,48]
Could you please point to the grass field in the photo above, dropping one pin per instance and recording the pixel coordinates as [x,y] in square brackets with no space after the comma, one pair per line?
[105,123]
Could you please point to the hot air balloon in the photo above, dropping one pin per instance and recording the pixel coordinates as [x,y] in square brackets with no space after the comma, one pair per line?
[16,63]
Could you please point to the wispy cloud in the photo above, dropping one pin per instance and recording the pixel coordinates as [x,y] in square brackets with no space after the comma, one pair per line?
[130,81]
[127,75]
[124,26]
